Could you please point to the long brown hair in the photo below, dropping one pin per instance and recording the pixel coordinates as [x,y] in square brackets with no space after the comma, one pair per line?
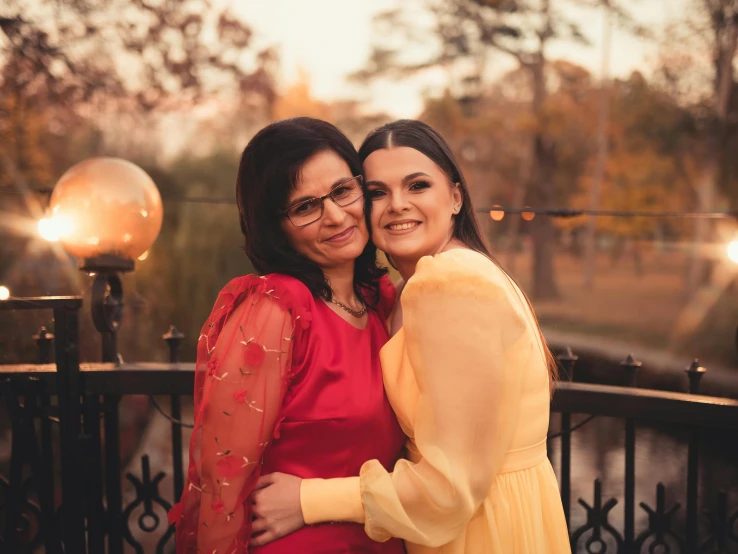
[426,140]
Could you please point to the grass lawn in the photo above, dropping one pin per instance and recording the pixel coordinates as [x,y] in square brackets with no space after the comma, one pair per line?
[641,307]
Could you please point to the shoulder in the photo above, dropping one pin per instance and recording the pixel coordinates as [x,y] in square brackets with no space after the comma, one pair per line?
[459,272]
[266,284]
[284,291]
[294,290]
[464,293]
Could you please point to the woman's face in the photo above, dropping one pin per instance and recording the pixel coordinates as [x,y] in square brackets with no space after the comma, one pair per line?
[413,203]
[340,235]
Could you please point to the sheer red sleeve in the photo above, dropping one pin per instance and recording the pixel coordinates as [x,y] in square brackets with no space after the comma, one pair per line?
[243,367]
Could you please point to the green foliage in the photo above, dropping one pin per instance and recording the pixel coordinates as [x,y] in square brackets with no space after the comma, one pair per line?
[199,249]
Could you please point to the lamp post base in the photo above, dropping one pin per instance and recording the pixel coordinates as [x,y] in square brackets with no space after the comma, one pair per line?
[106,264]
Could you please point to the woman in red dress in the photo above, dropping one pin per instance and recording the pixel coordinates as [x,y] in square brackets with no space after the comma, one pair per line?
[288,372]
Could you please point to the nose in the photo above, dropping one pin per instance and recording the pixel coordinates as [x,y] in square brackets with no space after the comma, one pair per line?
[398,202]
[333,214]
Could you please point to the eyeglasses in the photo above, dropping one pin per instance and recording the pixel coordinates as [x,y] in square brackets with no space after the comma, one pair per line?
[310,211]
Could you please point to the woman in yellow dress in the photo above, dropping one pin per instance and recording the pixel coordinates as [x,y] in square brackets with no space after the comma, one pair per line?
[467,372]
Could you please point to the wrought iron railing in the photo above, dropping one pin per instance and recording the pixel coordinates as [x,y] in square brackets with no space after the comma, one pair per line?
[77,406]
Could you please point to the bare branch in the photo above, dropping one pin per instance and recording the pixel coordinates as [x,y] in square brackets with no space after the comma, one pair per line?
[164,42]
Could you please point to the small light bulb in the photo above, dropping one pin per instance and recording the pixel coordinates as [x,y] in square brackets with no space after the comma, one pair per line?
[733,251]
[497,213]
[54,228]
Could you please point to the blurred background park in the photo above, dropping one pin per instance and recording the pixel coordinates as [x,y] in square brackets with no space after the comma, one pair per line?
[614,105]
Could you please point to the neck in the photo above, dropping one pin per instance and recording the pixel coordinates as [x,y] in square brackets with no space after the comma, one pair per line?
[341,281]
[406,266]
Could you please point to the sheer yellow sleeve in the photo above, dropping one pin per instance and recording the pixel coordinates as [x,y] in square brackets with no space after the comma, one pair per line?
[465,332]
[331,500]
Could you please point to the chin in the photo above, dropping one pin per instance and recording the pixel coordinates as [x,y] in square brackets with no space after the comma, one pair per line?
[347,254]
[409,250]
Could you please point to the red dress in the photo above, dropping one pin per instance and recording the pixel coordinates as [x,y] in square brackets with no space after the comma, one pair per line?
[284,384]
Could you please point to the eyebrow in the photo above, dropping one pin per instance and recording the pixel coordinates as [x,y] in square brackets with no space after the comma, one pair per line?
[338,182]
[405,179]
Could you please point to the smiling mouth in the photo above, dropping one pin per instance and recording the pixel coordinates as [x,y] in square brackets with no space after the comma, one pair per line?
[341,236]
[403,226]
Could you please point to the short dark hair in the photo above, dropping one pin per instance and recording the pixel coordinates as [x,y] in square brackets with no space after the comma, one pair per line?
[426,140]
[269,170]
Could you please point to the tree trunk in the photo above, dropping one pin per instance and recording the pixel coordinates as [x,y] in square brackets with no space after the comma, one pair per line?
[590,259]
[513,232]
[542,228]
[540,189]
[702,227]
[726,43]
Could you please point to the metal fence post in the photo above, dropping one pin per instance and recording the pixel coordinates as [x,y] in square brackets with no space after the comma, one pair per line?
[66,327]
[173,338]
[631,366]
[695,373]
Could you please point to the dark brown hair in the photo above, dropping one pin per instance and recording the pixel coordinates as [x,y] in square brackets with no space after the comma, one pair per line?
[426,140]
[270,169]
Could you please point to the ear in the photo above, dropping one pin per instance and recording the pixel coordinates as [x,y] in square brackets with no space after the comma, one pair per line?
[457,199]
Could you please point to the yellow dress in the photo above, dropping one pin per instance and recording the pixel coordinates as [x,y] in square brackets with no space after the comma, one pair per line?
[468,381]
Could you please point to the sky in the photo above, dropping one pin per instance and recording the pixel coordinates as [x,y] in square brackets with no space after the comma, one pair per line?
[329,39]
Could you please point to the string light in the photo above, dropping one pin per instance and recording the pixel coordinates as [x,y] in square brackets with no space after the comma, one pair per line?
[528,215]
[4,292]
[551,212]
[497,213]
[566,213]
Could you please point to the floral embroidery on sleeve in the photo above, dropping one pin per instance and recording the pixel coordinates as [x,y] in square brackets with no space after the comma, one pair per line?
[243,367]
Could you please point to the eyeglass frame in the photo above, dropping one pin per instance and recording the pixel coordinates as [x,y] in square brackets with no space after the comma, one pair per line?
[321,199]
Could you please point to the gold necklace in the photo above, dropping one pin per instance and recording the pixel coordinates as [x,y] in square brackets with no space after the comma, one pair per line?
[356,313]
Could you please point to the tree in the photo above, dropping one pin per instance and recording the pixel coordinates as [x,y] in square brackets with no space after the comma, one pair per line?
[465,34]
[699,69]
[158,54]
[72,64]
[199,249]
[492,142]
[648,139]
[79,75]
[298,101]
